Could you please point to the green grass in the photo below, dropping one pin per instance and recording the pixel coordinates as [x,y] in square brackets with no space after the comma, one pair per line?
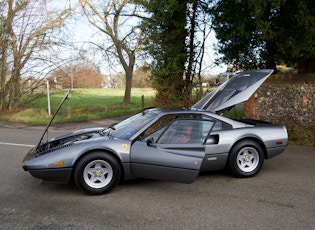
[82,105]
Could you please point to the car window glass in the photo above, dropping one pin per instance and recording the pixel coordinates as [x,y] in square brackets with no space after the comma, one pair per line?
[155,135]
[162,122]
[130,126]
[219,125]
[183,131]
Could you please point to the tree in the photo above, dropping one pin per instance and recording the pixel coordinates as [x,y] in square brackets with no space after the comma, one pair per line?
[76,75]
[141,78]
[3,53]
[175,40]
[262,34]
[239,40]
[199,30]
[295,34]
[165,42]
[111,18]
[26,29]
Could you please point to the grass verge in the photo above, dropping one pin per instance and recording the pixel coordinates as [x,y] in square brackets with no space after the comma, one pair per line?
[82,105]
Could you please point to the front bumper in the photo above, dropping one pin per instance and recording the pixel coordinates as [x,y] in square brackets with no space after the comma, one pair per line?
[47,174]
[58,176]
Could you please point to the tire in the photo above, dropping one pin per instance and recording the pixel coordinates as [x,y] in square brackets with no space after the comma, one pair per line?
[246,159]
[97,173]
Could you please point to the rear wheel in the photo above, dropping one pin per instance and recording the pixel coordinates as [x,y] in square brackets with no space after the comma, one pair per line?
[246,159]
[97,173]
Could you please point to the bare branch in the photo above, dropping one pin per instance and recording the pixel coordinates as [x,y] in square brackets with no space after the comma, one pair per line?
[110,20]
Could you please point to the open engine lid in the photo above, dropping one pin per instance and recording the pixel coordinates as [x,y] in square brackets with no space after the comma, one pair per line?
[237,89]
[53,117]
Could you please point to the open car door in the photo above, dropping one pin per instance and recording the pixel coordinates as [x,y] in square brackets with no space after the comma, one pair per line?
[169,154]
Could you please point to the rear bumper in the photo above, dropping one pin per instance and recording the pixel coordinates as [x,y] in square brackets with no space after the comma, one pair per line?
[274,152]
[59,176]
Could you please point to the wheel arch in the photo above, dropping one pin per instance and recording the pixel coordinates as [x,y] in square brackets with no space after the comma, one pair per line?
[110,152]
[255,139]
[237,168]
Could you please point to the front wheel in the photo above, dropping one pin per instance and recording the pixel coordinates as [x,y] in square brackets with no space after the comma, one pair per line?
[97,173]
[246,159]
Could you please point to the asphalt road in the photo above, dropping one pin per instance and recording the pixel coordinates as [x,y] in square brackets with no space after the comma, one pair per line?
[281,196]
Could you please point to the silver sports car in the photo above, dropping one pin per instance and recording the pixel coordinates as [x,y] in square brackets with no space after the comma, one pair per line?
[163,144]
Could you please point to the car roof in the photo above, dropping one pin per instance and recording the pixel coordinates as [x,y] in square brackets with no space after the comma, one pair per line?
[160,112]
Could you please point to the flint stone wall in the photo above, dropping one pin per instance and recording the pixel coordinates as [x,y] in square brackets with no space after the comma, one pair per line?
[290,101]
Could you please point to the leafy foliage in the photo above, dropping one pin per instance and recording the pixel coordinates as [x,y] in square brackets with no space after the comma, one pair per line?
[165,42]
[264,33]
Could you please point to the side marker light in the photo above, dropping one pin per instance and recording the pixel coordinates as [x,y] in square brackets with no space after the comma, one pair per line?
[58,163]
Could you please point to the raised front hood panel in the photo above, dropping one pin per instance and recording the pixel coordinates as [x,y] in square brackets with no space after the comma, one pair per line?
[237,89]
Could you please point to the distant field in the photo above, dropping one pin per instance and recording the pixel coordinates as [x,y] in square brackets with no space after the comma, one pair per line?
[82,104]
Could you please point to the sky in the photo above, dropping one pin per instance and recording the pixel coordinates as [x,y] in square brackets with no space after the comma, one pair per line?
[83,33]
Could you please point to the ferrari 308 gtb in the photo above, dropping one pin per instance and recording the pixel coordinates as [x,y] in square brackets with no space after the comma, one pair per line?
[163,144]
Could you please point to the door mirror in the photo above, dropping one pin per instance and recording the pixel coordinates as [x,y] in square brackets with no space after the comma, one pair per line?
[150,141]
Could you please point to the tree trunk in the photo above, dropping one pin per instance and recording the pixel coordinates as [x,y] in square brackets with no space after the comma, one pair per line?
[129,72]
[111,25]
[3,74]
[127,95]
[270,57]
[22,37]
[189,72]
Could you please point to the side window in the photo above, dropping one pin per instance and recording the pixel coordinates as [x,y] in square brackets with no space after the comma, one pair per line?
[156,128]
[155,135]
[185,131]
[159,126]
[219,125]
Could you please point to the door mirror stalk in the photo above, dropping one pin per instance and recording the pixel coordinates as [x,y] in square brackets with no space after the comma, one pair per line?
[150,142]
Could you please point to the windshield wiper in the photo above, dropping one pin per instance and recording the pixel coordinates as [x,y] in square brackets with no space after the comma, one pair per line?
[110,128]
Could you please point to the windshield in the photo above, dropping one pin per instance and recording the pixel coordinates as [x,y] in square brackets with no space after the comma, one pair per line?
[130,126]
